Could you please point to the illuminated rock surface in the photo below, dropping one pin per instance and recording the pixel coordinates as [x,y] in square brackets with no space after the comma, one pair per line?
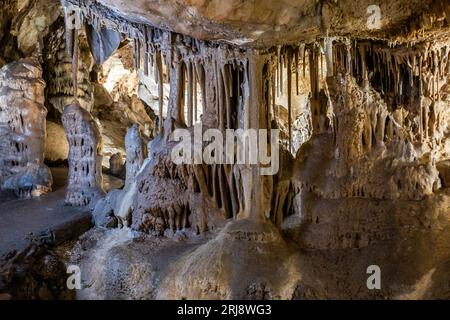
[360,94]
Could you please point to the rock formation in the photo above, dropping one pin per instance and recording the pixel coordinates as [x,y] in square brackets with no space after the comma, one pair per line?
[56,145]
[117,206]
[60,90]
[85,156]
[135,154]
[22,121]
[378,133]
[274,149]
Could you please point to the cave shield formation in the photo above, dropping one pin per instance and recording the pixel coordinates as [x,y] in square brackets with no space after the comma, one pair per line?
[270,150]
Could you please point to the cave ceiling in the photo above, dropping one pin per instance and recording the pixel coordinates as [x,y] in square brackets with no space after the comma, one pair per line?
[267,22]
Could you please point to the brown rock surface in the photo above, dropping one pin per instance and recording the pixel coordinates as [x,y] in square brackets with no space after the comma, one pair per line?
[268,22]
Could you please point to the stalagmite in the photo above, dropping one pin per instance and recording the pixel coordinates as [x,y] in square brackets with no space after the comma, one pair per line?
[135,153]
[85,158]
[22,129]
[115,208]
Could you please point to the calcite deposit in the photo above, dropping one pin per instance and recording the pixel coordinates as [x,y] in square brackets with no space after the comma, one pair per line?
[85,171]
[117,206]
[260,149]
[22,125]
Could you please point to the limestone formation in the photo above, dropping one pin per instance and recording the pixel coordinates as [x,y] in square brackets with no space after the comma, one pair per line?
[60,91]
[343,106]
[373,128]
[56,145]
[22,125]
[85,156]
[117,106]
[135,153]
[117,206]
[34,24]
[103,43]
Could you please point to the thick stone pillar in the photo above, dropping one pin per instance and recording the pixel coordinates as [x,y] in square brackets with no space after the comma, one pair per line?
[85,158]
[22,129]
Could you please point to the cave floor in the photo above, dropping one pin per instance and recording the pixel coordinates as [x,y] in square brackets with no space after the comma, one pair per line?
[43,219]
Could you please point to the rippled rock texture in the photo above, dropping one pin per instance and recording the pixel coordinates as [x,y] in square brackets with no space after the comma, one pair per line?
[22,125]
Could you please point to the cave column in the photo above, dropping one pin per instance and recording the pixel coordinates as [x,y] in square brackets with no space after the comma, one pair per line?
[175,111]
[85,159]
[134,146]
[257,198]
[22,129]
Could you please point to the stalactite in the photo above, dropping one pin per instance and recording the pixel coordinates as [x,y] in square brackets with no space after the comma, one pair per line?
[189,93]
[314,82]
[289,92]
[158,62]
[273,88]
[75,64]
[69,40]
[135,55]
[277,77]
[219,94]
[227,94]
[194,75]
[365,80]
[321,64]
[146,51]
[281,74]
[238,82]
[73,21]
[304,62]
[296,70]
[329,56]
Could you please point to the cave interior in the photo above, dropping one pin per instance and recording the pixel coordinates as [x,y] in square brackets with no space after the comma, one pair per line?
[225,150]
